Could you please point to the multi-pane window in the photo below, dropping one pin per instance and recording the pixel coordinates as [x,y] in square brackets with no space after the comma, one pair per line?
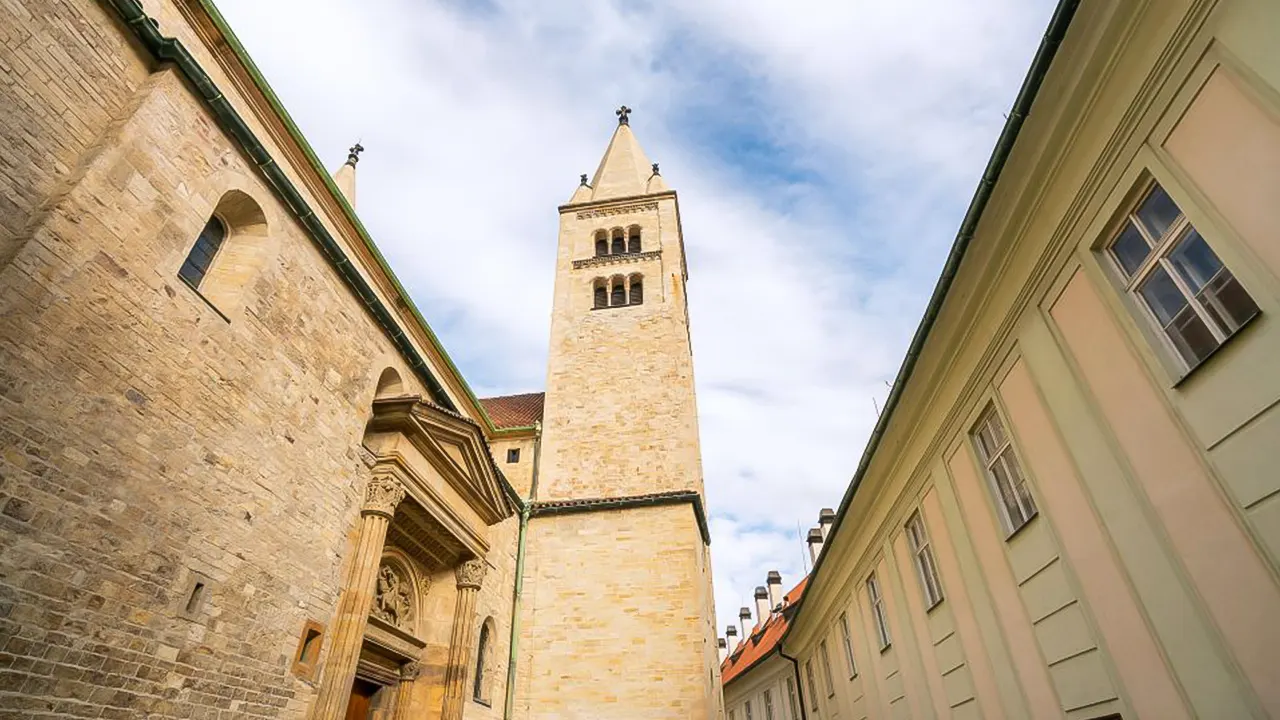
[813,686]
[926,566]
[793,702]
[768,705]
[633,241]
[877,610]
[1186,290]
[619,245]
[826,668]
[1004,473]
[746,711]
[847,640]
[196,266]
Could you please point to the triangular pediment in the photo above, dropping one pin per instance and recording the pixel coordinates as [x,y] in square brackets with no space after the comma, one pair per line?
[454,446]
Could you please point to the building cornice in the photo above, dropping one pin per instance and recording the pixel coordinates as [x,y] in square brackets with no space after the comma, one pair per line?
[586,505]
[619,259]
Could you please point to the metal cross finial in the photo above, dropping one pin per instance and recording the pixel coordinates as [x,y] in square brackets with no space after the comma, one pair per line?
[624,115]
[655,169]
[353,154]
[582,179]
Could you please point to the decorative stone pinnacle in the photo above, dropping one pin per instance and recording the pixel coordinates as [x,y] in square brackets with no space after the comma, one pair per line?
[582,179]
[353,153]
[624,115]
[655,169]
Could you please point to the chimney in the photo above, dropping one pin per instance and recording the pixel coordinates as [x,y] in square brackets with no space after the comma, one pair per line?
[774,582]
[826,518]
[815,544]
[762,605]
[744,619]
[731,638]
[723,648]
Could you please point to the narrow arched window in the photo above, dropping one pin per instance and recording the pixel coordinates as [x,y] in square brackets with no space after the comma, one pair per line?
[633,242]
[637,289]
[601,295]
[619,296]
[480,688]
[619,244]
[196,266]
[602,245]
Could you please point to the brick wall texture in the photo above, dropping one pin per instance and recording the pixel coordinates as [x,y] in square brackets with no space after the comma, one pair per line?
[152,437]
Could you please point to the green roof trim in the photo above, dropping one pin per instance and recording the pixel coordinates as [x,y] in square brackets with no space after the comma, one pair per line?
[168,48]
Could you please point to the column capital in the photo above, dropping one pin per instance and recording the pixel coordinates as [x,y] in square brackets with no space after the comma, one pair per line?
[381,496]
[410,671]
[470,574]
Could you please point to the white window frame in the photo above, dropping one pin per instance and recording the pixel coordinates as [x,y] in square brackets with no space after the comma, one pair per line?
[878,612]
[793,702]
[1006,456]
[825,656]
[1158,256]
[746,711]
[768,705]
[813,684]
[847,638]
[926,563]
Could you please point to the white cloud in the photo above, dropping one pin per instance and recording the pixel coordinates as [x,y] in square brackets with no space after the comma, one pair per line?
[824,154]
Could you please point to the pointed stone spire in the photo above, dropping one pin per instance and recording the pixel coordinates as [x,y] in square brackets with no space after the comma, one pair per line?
[345,177]
[624,170]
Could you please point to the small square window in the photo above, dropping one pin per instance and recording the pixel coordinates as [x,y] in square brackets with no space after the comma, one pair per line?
[1177,279]
[513,455]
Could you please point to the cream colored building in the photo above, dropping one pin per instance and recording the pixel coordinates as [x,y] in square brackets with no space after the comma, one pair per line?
[239,475]
[1070,506]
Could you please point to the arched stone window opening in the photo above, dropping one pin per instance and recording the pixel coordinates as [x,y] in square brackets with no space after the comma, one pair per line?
[602,244]
[619,243]
[389,384]
[637,289]
[202,253]
[481,690]
[601,294]
[619,294]
[230,249]
[633,240]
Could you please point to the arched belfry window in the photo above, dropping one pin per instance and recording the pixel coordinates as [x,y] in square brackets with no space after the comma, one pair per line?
[637,290]
[602,244]
[619,292]
[484,663]
[601,294]
[619,244]
[633,240]
[196,266]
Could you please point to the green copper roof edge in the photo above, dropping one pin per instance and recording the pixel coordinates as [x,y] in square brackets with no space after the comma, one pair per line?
[1045,53]
[265,88]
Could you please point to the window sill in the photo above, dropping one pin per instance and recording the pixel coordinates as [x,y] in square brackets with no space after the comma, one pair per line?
[1205,360]
[617,307]
[484,703]
[204,299]
[1018,530]
[936,603]
[885,648]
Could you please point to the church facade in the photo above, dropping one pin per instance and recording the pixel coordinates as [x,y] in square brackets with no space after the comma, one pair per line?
[240,476]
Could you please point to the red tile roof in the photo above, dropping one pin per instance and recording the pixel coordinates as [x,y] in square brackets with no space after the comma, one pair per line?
[511,411]
[762,640]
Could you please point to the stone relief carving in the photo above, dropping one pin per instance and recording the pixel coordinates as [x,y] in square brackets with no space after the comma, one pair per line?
[424,585]
[471,573]
[393,602]
[382,495]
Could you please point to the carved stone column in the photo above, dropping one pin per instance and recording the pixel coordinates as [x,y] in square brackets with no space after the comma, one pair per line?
[409,672]
[382,496]
[469,574]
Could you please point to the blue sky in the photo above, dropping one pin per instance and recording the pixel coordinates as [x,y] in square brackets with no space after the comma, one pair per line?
[824,153]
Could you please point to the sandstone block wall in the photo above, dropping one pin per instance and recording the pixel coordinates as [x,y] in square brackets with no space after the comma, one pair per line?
[621,418]
[147,443]
[614,618]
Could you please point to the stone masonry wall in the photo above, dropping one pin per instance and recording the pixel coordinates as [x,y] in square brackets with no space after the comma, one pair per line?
[147,443]
[614,618]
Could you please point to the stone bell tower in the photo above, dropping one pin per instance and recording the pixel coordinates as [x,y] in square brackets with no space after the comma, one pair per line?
[618,619]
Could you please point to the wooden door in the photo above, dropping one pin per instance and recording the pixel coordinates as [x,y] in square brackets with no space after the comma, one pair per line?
[361,698]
